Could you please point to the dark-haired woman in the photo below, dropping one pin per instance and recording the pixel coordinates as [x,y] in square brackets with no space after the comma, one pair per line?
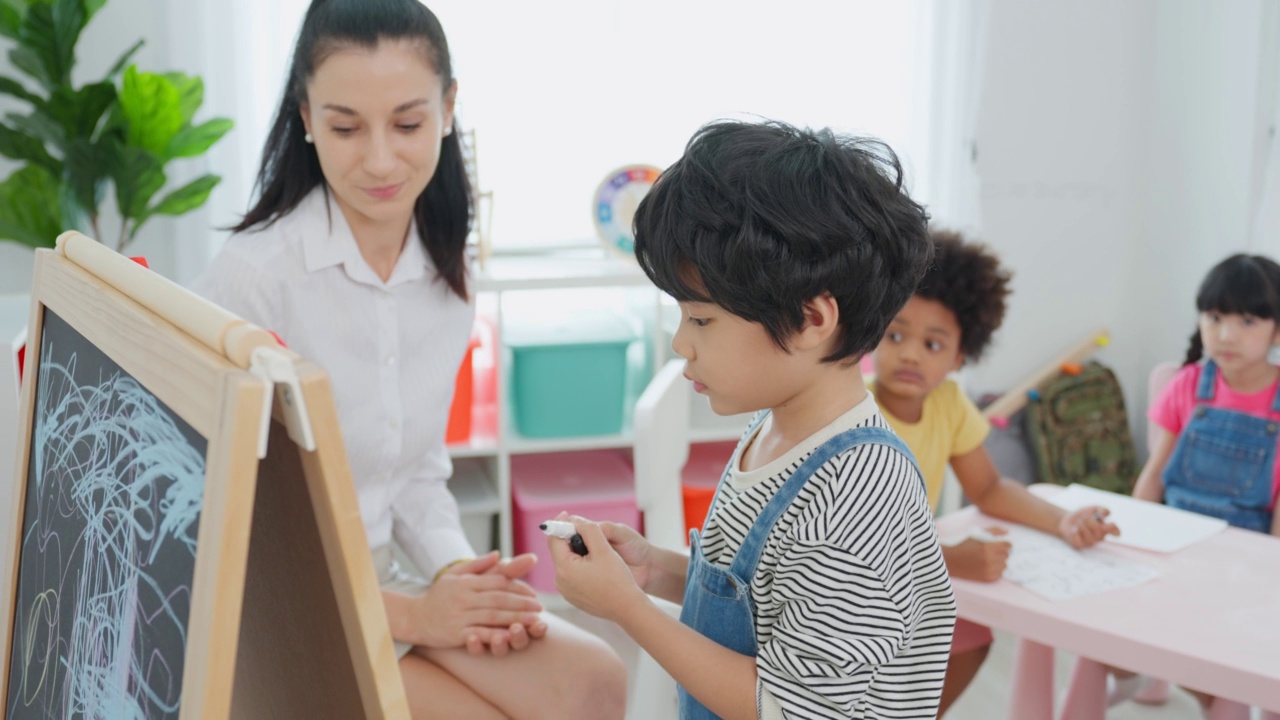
[354,252]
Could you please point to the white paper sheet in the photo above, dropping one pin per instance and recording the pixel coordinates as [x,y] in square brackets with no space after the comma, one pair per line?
[1145,525]
[1054,570]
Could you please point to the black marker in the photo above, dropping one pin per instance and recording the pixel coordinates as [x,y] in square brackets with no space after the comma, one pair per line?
[565,531]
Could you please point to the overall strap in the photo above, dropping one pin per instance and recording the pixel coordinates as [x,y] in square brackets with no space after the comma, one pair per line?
[744,563]
[1275,401]
[1206,387]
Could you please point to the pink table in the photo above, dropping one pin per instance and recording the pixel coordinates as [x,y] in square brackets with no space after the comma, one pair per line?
[1211,622]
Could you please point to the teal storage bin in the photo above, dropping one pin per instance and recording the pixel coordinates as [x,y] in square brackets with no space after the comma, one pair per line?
[569,375]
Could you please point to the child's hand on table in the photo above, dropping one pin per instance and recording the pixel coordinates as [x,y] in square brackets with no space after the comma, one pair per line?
[1086,527]
[982,556]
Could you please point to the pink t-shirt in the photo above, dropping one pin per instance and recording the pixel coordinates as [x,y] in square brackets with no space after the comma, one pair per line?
[1174,407]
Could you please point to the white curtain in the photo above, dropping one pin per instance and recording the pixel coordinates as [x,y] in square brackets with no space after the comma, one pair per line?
[241,50]
[954,98]
[1265,197]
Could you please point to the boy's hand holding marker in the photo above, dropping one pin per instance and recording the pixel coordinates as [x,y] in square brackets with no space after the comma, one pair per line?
[565,531]
[590,573]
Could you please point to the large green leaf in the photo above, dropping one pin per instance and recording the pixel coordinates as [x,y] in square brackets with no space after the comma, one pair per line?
[29,211]
[74,215]
[91,8]
[138,175]
[28,61]
[190,94]
[194,141]
[9,86]
[79,112]
[86,168]
[188,197]
[10,20]
[21,146]
[69,19]
[149,104]
[48,34]
[39,126]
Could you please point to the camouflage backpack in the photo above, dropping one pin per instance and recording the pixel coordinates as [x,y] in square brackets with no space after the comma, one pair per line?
[1079,431]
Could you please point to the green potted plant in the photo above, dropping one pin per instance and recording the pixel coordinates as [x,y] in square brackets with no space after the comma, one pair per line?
[124,129]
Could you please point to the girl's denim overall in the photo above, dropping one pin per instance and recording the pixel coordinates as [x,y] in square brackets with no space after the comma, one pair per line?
[1224,462]
[717,602]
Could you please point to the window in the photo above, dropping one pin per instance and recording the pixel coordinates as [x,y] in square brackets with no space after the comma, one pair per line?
[560,93]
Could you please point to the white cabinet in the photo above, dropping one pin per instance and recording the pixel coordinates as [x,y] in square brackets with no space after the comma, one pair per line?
[558,283]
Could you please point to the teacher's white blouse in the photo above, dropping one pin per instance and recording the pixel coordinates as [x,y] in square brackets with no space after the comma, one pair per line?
[392,351]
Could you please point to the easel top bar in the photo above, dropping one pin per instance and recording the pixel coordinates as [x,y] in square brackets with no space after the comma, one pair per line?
[219,330]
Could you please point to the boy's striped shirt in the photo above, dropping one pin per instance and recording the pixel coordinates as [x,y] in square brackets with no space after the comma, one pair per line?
[854,609]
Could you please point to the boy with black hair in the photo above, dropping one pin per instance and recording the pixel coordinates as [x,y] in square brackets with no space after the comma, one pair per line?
[950,320]
[816,588]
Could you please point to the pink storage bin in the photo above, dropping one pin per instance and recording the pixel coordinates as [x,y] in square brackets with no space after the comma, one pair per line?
[595,484]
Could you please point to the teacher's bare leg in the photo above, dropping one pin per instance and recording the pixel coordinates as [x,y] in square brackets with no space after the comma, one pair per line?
[568,673]
[434,694]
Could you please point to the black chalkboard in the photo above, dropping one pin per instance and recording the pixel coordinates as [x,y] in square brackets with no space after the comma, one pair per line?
[115,488]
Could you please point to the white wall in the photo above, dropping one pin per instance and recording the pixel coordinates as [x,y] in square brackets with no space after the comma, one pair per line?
[1114,146]
[1201,170]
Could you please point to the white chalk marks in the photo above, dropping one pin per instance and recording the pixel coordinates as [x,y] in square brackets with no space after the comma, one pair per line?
[114,492]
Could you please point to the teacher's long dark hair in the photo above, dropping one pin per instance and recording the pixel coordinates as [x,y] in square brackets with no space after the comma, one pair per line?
[290,169]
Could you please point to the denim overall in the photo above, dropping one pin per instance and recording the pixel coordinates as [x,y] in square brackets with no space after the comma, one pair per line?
[717,602]
[1224,462]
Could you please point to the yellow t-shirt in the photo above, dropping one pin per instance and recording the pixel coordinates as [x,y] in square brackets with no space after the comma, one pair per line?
[950,425]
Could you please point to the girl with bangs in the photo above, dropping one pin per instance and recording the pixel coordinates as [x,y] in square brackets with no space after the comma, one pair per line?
[1218,417]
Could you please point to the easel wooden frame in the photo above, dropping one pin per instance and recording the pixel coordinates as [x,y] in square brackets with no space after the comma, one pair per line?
[219,401]
[256,645]
[319,562]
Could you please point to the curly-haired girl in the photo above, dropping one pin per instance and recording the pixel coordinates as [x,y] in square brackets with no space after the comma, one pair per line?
[956,308]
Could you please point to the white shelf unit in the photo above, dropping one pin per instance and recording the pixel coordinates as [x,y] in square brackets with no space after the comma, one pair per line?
[14,313]
[593,275]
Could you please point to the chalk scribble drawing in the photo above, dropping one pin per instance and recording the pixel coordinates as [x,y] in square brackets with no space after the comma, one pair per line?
[114,493]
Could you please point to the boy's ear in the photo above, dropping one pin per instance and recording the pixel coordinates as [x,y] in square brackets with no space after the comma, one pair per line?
[821,322]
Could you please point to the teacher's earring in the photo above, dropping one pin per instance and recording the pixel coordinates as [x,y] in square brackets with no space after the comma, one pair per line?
[308,138]
[448,131]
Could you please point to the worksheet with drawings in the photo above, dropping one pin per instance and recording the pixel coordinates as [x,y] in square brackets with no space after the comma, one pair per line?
[1051,568]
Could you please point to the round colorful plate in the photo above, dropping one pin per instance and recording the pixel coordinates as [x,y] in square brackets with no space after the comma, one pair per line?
[615,205]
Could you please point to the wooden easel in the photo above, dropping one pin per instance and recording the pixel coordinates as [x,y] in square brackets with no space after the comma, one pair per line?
[285,617]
